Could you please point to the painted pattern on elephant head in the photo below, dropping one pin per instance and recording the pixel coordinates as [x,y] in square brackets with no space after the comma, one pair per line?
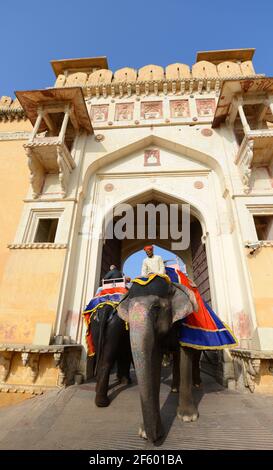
[180,303]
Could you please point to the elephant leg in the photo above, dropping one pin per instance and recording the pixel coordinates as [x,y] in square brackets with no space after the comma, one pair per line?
[196,368]
[124,361]
[104,368]
[112,341]
[176,372]
[187,410]
[107,360]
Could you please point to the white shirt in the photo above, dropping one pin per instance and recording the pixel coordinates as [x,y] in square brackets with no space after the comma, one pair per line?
[152,265]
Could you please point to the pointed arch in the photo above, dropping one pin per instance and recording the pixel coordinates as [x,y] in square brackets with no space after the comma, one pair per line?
[139,144]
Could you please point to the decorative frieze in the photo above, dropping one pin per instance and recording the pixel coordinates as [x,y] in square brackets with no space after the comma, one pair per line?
[151,110]
[14,135]
[179,108]
[33,246]
[99,113]
[164,111]
[152,157]
[205,107]
[124,112]
[154,87]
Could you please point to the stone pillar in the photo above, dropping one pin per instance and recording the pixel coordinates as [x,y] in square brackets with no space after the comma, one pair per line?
[243,117]
[64,124]
[37,124]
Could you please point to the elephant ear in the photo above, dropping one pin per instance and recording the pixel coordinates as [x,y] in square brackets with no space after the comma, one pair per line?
[122,308]
[183,302]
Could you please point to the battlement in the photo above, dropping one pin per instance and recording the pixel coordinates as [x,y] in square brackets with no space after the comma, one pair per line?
[90,73]
[10,109]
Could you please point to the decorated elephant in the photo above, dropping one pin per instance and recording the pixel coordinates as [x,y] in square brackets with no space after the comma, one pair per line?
[163,315]
[108,341]
[151,309]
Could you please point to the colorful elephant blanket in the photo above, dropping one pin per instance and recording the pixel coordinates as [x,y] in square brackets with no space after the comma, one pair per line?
[110,296]
[202,329]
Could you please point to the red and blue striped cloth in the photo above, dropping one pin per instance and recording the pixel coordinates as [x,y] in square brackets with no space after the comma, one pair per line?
[111,296]
[202,329]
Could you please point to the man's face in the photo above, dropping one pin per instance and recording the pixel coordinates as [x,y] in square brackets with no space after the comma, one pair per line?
[149,253]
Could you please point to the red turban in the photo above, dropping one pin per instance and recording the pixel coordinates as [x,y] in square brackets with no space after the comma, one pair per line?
[148,247]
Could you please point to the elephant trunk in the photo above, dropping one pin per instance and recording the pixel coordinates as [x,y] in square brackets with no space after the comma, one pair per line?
[147,359]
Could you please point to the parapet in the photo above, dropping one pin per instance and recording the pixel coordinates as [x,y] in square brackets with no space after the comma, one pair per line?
[213,65]
[10,109]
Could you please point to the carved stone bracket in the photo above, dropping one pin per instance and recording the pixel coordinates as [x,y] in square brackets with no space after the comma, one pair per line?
[244,162]
[251,371]
[57,358]
[31,361]
[37,173]
[25,358]
[248,365]
[5,364]
[59,361]
[246,166]
[64,170]
[48,155]
[255,148]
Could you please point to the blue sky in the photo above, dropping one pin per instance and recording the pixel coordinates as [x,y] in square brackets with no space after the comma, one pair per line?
[128,33]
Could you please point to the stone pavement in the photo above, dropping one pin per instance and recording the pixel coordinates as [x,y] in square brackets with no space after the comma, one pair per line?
[69,419]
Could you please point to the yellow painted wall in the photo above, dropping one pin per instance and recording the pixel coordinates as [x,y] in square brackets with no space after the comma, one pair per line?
[261,272]
[29,292]
[15,126]
[14,183]
[29,279]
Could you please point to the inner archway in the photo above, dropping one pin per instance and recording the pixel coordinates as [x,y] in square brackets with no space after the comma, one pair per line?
[117,251]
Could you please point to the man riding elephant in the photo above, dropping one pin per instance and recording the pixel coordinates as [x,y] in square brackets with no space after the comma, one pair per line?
[153,264]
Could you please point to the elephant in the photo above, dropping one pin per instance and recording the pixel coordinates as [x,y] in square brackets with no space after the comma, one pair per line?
[153,311]
[112,343]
